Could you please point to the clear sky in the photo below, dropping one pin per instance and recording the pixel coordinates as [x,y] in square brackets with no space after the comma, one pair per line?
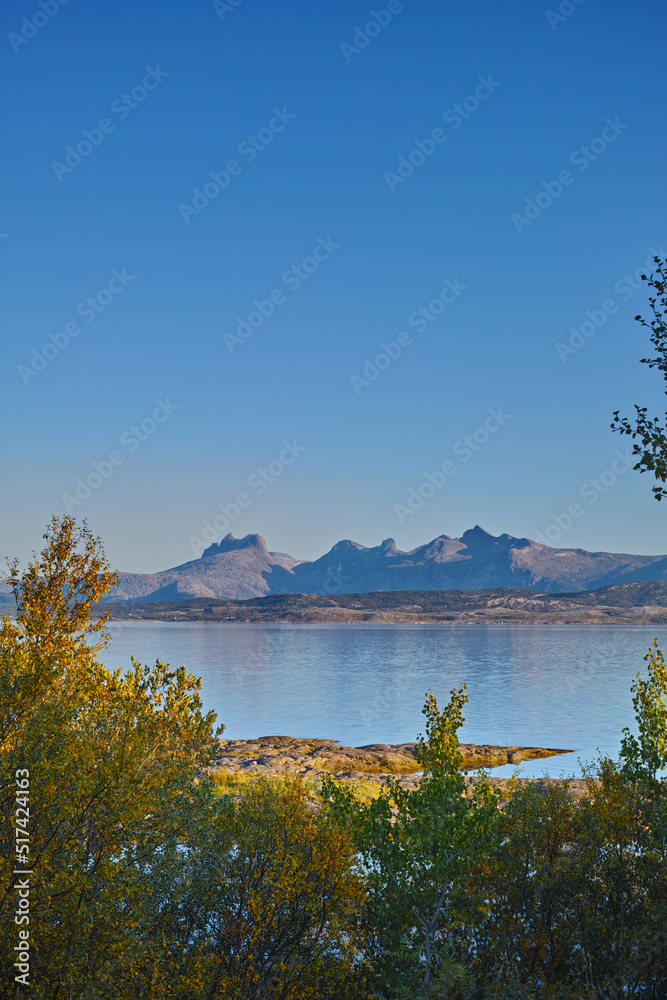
[355,205]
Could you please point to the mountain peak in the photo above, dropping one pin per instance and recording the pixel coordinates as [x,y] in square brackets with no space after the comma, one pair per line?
[231,544]
[346,545]
[477,536]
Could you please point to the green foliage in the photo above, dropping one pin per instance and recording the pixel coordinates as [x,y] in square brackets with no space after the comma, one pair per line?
[145,883]
[112,763]
[438,752]
[538,896]
[417,847]
[281,891]
[152,882]
[569,893]
[648,433]
[644,756]
[520,889]
[55,593]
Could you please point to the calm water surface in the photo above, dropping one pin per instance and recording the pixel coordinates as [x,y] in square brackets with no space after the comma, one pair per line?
[553,686]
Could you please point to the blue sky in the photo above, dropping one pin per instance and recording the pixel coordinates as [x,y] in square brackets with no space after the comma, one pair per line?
[313,211]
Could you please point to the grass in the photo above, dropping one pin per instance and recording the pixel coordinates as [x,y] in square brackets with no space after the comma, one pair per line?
[237,783]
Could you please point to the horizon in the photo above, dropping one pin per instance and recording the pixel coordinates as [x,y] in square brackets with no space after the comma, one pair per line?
[267,266]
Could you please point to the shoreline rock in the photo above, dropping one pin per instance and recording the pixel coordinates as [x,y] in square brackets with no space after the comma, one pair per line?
[271,756]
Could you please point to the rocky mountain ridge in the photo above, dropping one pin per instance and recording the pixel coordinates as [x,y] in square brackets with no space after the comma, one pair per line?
[244,568]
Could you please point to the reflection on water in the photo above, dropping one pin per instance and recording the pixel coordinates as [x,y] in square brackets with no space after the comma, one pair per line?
[553,686]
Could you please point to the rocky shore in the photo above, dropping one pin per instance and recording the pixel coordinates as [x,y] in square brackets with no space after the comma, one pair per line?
[271,756]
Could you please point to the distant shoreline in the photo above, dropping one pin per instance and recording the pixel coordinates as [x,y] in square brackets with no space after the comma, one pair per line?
[639,603]
[476,623]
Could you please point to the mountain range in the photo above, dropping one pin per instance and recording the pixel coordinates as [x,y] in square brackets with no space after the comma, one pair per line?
[244,568]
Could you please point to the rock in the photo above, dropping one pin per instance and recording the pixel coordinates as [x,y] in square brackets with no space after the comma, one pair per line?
[313,757]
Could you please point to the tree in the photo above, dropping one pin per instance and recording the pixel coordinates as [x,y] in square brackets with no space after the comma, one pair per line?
[112,762]
[648,433]
[274,888]
[55,593]
[417,848]
[644,756]
[571,900]
[144,883]
[520,911]
[54,597]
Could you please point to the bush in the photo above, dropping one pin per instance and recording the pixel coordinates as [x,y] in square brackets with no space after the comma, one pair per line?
[148,880]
